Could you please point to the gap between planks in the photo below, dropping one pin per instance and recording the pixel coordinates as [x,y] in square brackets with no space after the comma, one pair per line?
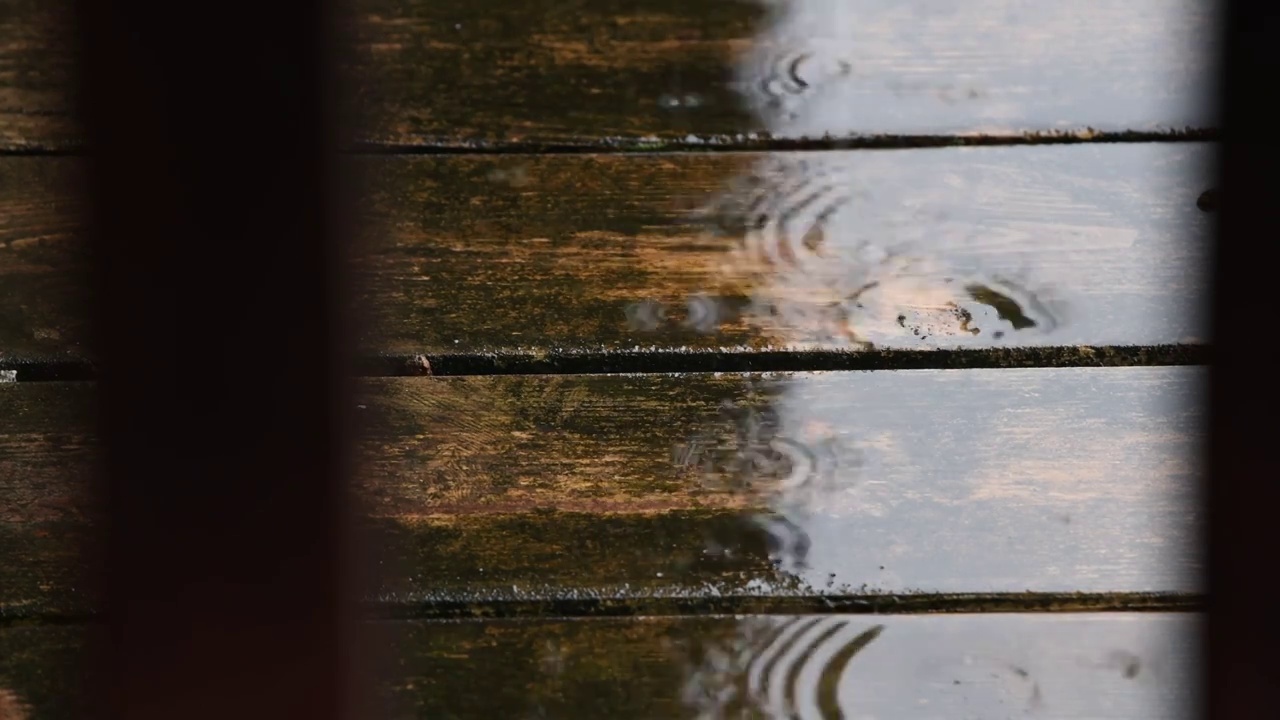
[600,607]
[663,361]
[729,143]
[761,142]
[870,604]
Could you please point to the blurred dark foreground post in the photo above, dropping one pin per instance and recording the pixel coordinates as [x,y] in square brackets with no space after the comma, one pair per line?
[217,225]
[1243,482]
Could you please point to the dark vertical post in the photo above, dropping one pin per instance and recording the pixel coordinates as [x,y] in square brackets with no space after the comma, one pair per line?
[1243,483]
[217,228]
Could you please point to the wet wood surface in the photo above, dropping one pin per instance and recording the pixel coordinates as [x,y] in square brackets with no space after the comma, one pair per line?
[659,73]
[516,502]
[1134,666]
[1061,666]
[541,258]
[1044,246]
[620,493]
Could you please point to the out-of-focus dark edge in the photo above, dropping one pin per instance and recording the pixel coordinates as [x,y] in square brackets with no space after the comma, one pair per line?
[218,222]
[1242,486]
[869,604]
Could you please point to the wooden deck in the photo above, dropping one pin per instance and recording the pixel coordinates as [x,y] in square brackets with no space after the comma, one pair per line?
[664,74]
[838,361]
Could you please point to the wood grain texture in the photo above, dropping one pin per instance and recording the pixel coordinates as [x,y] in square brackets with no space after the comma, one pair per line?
[37,86]
[625,489]
[601,73]
[1085,666]
[922,668]
[953,481]
[538,255]
[593,72]
[43,260]
[959,248]
[586,74]
[831,67]
[41,673]
[47,454]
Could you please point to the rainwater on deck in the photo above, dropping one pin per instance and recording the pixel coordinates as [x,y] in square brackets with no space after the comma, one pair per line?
[805,359]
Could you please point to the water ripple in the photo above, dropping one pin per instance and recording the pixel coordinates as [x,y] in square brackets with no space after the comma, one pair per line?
[824,259]
[778,668]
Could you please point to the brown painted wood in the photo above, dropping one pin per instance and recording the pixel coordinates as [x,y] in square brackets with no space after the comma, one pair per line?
[924,668]
[630,489]
[552,255]
[651,73]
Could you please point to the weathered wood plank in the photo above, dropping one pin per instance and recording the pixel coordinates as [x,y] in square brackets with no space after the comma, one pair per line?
[43,260]
[626,489]
[594,72]
[923,667]
[999,66]
[47,452]
[923,481]
[656,72]
[1045,246]
[37,84]
[660,69]
[42,673]
[559,255]
[1061,666]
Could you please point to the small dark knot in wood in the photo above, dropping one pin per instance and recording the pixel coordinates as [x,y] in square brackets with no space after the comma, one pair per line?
[1208,200]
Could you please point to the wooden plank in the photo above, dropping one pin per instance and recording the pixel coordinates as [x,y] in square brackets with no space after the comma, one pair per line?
[226,559]
[655,73]
[1093,245]
[963,481]
[626,493]
[37,88]
[1063,666]
[48,453]
[42,673]
[587,72]
[43,260]
[659,70]
[831,67]
[482,260]
[1085,666]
